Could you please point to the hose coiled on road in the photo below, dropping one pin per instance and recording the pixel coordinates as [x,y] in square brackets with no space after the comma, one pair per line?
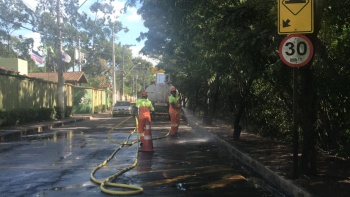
[107,182]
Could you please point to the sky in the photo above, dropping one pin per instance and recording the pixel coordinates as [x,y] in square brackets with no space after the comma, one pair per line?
[129,19]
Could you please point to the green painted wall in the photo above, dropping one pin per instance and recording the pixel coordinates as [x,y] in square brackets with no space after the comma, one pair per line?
[82,100]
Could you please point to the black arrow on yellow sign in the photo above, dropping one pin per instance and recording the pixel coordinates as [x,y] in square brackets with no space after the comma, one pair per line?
[295,1]
[286,23]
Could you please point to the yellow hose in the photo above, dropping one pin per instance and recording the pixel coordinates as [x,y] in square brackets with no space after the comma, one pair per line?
[106,183]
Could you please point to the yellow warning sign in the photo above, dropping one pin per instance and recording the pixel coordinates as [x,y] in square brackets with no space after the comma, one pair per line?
[155,70]
[295,16]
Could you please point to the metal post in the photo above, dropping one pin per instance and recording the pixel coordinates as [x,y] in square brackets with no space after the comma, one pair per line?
[143,82]
[113,70]
[122,71]
[136,87]
[79,57]
[60,91]
[122,75]
[8,45]
[132,88]
[295,126]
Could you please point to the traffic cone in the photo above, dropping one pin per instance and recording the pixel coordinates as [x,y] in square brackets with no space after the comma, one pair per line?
[146,139]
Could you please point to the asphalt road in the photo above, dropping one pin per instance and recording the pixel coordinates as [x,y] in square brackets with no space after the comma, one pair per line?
[59,163]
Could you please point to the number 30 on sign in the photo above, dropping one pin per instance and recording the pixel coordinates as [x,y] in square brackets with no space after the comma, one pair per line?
[296,50]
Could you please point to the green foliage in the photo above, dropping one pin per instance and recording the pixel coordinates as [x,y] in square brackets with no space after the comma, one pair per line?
[230,48]
[14,14]
[100,108]
[67,112]
[23,116]
[77,96]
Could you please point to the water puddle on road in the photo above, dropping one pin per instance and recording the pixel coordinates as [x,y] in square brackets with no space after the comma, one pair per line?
[50,136]
[86,184]
[182,186]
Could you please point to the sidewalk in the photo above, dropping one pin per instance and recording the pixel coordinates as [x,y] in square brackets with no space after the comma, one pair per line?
[257,162]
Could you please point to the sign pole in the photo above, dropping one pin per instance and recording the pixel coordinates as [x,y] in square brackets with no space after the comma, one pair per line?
[295,51]
[295,126]
[295,17]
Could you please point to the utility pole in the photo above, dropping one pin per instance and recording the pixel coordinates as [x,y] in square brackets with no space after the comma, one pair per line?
[122,75]
[8,45]
[60,93]
[123,71]
[79,57]
[136,87]
[113,70]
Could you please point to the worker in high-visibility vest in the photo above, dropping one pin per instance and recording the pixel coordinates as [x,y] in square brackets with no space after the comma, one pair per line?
[174,111]
[145,108]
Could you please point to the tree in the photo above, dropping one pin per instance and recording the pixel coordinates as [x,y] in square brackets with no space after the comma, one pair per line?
[227,50]
[14,14]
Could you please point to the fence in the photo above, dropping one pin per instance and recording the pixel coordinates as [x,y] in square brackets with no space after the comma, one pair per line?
[19,92]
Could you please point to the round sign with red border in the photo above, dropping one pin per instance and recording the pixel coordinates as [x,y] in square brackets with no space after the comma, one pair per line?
[296,50]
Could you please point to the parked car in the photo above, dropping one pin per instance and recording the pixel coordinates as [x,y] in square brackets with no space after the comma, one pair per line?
[122,108]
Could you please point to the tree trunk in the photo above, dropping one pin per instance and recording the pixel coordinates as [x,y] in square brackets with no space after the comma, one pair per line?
[212,104]
[237,118]
[236,126]
[206,106]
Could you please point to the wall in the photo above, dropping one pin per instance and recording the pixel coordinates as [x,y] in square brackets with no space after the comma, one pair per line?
[18,92]
[15,64]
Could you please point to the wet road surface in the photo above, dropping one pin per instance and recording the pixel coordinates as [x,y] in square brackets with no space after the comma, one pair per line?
[59,163]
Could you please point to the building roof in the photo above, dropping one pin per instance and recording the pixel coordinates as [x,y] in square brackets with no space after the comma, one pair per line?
[8,69]
[69,77]
[105,85]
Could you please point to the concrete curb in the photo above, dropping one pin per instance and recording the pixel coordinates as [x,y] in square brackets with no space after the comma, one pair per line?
[270,176]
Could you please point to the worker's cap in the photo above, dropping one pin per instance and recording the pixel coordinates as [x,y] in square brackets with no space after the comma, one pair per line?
[144,93]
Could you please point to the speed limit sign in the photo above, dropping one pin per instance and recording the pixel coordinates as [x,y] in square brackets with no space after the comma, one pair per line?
[296,50]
